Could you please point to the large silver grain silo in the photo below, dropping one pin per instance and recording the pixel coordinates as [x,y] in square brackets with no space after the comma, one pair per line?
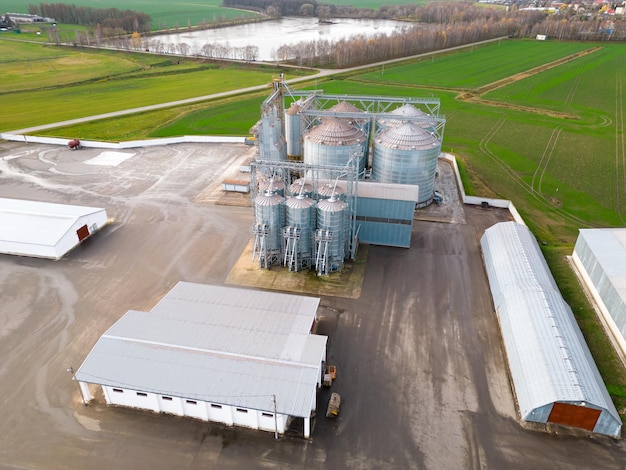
[333,143]
[407,154]
[330,235]
[293,130]
[269,220]
[407,112]
[299,232]
[362,123]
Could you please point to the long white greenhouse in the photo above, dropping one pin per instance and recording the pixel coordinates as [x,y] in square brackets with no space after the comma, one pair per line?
[554,376]
[600,257]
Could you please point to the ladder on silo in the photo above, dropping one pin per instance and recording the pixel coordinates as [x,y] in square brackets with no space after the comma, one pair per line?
[322,241]
[292,236]
[261,232]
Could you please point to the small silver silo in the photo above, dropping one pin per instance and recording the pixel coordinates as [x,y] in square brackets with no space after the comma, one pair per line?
[293,130]
[269,218]
[330,250]
[299,232]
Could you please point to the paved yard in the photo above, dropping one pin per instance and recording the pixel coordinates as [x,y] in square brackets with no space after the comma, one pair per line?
[422,372]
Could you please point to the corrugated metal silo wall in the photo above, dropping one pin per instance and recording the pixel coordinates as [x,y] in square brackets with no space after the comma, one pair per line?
[298,215]
[329,218]
[385,222]
[332,155]
[293,134]
[406,167]
[273,215]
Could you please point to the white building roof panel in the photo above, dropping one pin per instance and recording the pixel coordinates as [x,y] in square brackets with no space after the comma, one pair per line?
[39,223]
[214,378]
[222,344]
[388,191]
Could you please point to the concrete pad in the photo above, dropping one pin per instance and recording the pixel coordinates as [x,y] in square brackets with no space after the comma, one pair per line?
[346,284]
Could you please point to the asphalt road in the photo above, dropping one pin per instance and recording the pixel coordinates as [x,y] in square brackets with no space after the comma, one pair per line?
[290,81]
[422,372]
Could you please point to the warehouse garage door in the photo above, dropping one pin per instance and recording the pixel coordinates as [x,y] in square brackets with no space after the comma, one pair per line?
[82,233]
[576,416]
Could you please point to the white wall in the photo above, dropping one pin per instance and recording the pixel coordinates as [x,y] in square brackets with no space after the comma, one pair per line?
[125,145]
[230,415]
[94,222]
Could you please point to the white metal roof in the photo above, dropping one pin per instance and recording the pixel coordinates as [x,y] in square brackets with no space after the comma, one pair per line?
[39,223]
[548,357]
[220,344]
[45,230]
[388,191]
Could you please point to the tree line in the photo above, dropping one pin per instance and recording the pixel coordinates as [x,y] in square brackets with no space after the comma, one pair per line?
[111,19]
[408,41]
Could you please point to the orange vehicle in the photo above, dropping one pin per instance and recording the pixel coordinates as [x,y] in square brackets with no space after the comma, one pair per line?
[330,374]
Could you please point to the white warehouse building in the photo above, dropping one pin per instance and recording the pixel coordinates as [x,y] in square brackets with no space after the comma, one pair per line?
[555,378]
[230,355]
[44,229]
[600,259]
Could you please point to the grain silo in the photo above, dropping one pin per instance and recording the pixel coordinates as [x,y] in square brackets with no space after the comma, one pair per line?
[330,235]
[407,154]
[300,186]
[362,123]
[269,218]
[269,133]
[299,232]
[333,143]
[330,189]
[408,112]
[293,130]
[275,185]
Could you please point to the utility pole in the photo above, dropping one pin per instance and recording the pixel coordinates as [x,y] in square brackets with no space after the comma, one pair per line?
[275,418]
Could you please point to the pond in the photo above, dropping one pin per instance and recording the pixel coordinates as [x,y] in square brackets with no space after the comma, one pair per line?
[261,41]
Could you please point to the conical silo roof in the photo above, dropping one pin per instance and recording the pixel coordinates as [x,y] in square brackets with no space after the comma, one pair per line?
[268,199]
[408,111]
[330,189]
[293,109]
[276,185]
[299,202]
[345,107]
[300,185]
[331,205]
[407,136]
[335,132]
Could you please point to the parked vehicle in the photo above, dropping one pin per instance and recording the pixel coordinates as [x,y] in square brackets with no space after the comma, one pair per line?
[74,144]
[333,405]
[330,374]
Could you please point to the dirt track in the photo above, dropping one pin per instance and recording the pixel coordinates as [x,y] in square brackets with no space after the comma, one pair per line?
[475,96]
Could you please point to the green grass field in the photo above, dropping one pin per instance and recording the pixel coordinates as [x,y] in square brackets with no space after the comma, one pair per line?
[40,85]
[475,67]
[163,13]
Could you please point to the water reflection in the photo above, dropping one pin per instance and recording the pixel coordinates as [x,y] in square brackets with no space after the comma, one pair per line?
[262,40]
